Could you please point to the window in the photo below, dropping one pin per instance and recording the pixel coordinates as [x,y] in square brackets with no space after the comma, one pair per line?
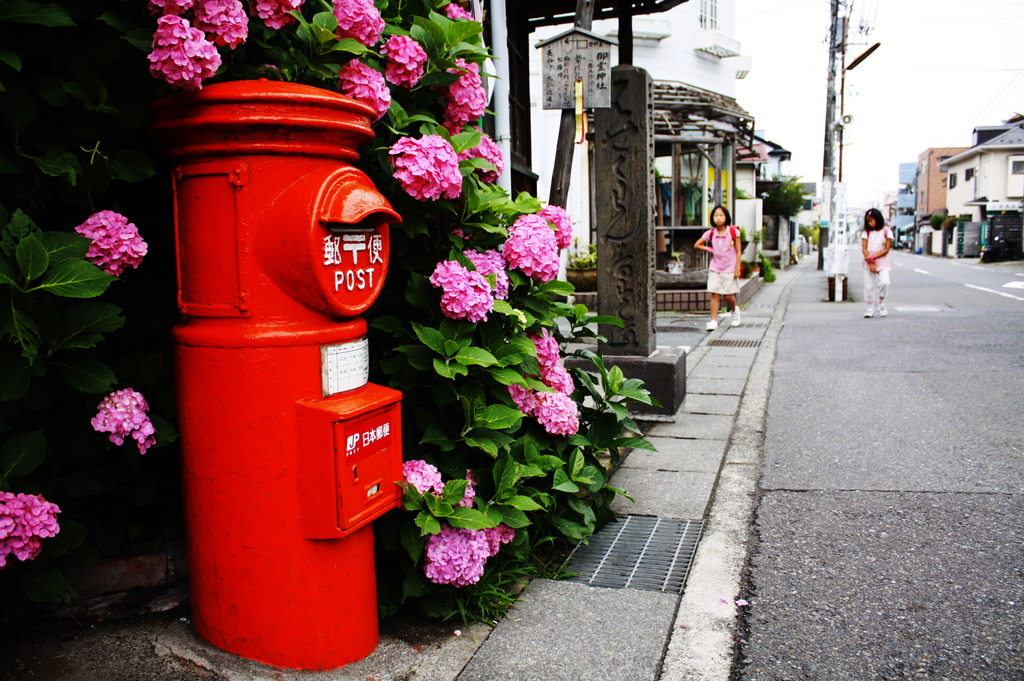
[952,180]
[709,14]
[968,174]
[1017,167]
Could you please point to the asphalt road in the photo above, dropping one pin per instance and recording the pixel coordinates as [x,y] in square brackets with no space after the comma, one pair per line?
[889,541]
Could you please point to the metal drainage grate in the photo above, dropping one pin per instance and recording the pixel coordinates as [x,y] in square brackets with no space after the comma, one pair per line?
[727,343]
[638,552]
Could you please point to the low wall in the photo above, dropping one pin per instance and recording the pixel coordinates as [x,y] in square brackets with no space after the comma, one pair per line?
[683,300]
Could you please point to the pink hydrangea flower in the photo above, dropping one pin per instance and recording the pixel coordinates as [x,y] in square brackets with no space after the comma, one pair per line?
[523,397]
[557,412]
[427,168]
[25,519]
[467,498]
[489,263]
[496,536]
[557,378]
[122,413]
[358,19]
[557,216]
[548,352]
[423,476]
[366,84]
[406,60]
[489,151]
[456,556]
[181,54]
[224,20]
[175,7]
[464,294]
[275,13]
[116,243]
[466,98]
[532,249]
[454,11]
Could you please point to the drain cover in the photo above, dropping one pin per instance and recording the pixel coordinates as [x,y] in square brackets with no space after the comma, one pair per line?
[638,552]
[727,343]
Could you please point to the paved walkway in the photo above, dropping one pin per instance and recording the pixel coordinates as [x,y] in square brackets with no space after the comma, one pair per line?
[702,476]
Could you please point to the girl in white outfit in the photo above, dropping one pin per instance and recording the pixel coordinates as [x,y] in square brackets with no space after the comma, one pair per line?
[875,243]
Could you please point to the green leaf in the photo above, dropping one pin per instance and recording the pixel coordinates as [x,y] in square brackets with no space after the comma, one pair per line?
[87,373]
[62,163]
[47,585]
[557,287]
[511,516]
[11,59]
[498,417]
[454,491]
[449,370]
[15,377]
[130,166]
[91,316]
[506,376]
[75,279]
[27,12]
[31,257]
[486,444]
[437,506]
[64,246]
[506,474]
[562,483]
[523,503]
[430,337]
[570,529]
[22,453]
[427,523]
[7,269]
[475,356]
[469,518]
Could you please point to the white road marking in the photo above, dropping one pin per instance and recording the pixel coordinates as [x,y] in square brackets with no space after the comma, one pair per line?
[1014,284]
[924,272]
[998,293]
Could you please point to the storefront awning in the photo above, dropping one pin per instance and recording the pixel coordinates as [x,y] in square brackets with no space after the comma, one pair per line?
[684,112]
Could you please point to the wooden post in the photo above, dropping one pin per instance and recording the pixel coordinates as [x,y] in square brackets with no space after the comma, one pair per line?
[562,171]
[624,146]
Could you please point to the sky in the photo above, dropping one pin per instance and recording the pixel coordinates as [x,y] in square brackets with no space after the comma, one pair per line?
[943,68]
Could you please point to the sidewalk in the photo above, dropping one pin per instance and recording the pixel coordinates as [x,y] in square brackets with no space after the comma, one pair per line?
[621,617]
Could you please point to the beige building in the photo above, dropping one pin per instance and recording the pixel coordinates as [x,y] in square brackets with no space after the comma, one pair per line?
[931,181]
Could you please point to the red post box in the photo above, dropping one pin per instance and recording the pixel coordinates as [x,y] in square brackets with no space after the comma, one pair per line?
[288,453]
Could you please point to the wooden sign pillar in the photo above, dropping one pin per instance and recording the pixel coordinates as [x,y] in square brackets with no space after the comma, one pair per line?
[624,153]
[625,205]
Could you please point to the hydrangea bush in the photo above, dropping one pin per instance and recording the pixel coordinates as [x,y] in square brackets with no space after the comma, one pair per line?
[86,292]
[507,449]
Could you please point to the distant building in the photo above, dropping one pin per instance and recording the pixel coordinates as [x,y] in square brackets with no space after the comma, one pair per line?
[986,183]
[902,216]
[931,181]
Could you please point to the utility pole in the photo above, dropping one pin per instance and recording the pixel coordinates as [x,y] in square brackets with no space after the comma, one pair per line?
[833,200]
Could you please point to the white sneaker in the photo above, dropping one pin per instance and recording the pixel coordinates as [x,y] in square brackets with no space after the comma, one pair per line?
[736,318]
[712,325]
[882,312]
[870,312]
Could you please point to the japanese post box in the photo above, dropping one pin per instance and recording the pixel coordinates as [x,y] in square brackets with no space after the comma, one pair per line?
[288,452]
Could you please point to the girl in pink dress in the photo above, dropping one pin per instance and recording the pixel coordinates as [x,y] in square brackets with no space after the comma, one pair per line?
[722,241]
[875,243]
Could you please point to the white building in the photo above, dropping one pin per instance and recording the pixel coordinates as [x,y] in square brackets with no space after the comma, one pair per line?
[691,54]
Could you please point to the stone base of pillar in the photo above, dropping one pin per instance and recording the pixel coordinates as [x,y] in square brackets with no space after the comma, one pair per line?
[663,374]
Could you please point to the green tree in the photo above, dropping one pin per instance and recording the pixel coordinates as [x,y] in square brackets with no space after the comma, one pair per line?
[787,198]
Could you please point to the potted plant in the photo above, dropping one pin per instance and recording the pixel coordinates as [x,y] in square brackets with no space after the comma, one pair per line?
[581,268]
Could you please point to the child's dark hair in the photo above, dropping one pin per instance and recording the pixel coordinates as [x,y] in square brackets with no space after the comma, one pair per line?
[711,215]
[877,215]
